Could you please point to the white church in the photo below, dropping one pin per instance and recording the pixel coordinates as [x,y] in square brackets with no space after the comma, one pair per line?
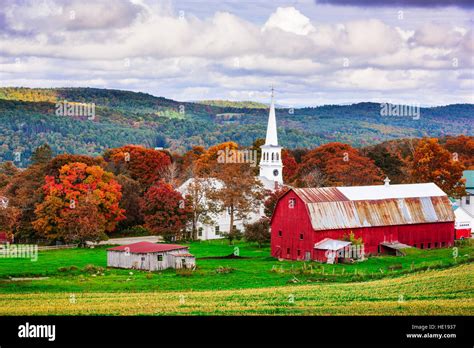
[271,177]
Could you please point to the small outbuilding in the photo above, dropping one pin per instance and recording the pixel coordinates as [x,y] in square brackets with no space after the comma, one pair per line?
[331,250]
[150,256]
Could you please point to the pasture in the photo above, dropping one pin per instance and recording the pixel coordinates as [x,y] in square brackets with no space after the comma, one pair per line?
[76,281]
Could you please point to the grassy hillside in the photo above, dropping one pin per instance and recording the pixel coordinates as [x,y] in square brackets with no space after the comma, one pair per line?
[28,119]
[440,292]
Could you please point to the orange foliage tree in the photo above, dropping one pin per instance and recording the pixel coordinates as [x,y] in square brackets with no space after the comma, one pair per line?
[432,163]
[462,149]
[81,204]
[137,162]
[340,165]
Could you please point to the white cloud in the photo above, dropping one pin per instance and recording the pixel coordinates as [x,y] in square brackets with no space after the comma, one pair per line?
[290,20]
[151,47]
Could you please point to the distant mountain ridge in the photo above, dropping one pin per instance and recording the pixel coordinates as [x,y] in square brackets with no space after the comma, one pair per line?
[28,119]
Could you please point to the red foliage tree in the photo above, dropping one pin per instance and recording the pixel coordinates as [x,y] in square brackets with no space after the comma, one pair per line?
[290,166]
[164,210]
[138,162]
[341,165]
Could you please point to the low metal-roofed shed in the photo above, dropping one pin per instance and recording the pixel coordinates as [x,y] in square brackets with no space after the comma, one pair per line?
[394,247]
[150,256]
[329,250]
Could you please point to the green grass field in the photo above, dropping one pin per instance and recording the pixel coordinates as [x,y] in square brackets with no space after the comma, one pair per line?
[257,284]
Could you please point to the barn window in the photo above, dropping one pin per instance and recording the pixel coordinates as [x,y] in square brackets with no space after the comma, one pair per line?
[442,244]
[288,251]
[291,203]
[421,246]
[280,233]
[414,245]
[301,236]
[217,230]
[159,257]
[436,244]
[429,246]
[200,232]
[299,252]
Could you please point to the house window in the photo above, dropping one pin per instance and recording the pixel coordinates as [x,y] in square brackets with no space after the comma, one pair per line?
[280,233]
[159,257]
[143,258]
[200,232]
[291,203]
[217,231]
[301,236]
[468,200]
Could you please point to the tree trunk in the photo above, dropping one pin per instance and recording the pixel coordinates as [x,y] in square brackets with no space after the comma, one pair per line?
[231,228]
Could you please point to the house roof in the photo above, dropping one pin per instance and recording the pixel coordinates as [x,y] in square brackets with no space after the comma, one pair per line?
[369,206]
[331,244]
[147,247]
[469,176]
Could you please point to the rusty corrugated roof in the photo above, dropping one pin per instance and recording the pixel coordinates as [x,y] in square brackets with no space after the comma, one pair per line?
[320,194]
[329,209]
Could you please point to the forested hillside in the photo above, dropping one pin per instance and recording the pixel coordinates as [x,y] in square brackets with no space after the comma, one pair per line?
[28,119]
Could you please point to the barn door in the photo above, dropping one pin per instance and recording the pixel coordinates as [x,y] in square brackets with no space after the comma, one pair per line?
[307,256]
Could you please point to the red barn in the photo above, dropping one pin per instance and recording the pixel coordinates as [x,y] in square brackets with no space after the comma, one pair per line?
[419,215]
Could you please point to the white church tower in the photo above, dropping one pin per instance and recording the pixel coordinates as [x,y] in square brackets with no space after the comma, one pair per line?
[271,165]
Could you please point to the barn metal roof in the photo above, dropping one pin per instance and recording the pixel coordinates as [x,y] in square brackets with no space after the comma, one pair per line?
[369,206]
[147,247]
[331,244]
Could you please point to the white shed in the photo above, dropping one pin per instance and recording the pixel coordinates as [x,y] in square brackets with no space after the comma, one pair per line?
[150,256]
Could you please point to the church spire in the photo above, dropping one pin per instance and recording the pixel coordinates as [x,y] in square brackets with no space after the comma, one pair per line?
[272,136]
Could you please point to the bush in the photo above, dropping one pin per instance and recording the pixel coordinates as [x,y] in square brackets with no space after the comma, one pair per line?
[184,272]
[93,269]
[224,270]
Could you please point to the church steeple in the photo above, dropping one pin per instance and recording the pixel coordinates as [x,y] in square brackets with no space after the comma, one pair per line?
[272,135]
[271,165]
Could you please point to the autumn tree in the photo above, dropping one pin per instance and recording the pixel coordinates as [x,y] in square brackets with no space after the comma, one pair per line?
[130,202]
[432,163]
[289,164]
[7,171]
[199,206]
[462,149]
[54,166]
[240,192]
[342,165]
[24,191]
[391,164]
[207,163]
[42,154]
[164,210]
[271,200]
[82,193]
[258,232]
[139,163]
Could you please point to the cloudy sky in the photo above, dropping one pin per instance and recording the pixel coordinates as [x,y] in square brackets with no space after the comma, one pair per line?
[313,52]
